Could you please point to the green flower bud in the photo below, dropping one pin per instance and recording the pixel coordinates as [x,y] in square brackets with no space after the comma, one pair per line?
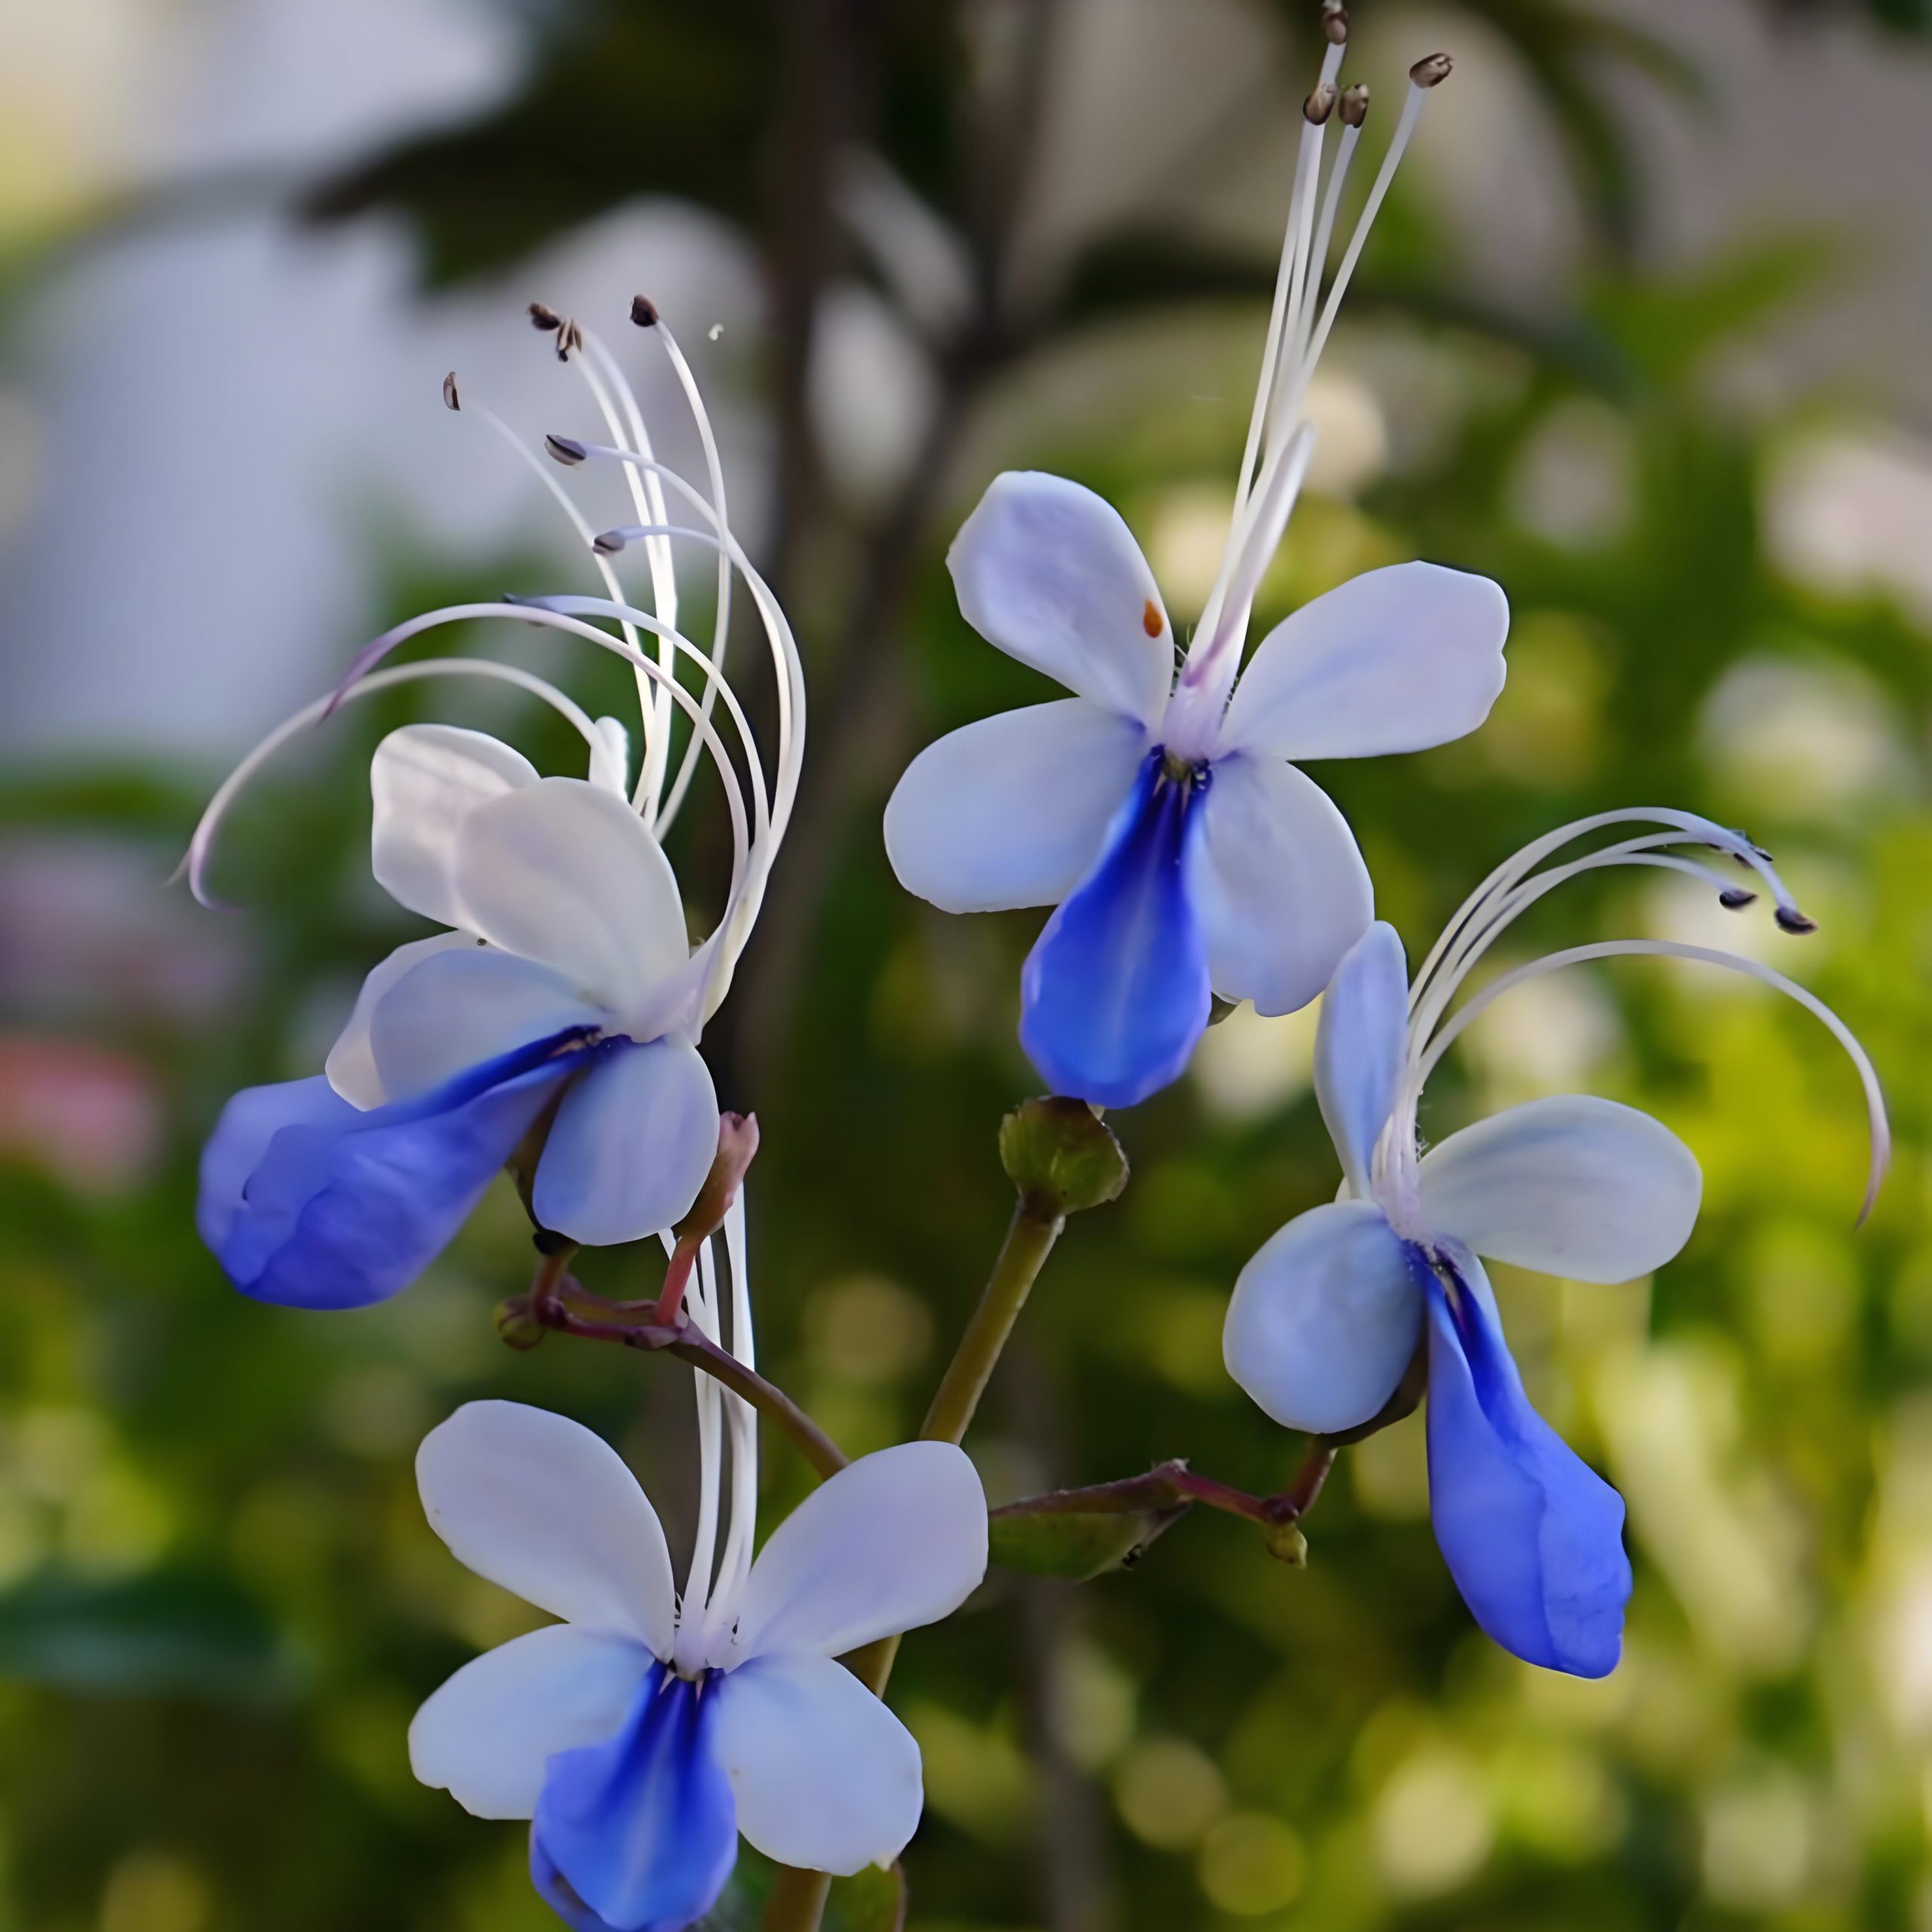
[1062,1156]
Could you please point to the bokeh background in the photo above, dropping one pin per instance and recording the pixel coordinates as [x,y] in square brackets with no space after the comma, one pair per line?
[1644,333]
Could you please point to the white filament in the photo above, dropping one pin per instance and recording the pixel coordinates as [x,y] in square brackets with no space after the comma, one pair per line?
[1510,891]
[601,376]
[653,729]
[714,1581]
[194,864]
[1279,437]
[721,621]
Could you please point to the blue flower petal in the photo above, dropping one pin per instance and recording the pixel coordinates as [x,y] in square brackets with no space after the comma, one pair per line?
[1115,991]
[554,1889]
[642,1829]
[248,1124]
[1533,1537]
[341,1207]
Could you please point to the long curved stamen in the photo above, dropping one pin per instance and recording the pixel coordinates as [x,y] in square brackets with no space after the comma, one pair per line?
[786,658]
[714,1581]
[1496,902]
[1308,153]
[1299,323]
[715,469]
[716,958]
[601,377]
[1518,883]
[540,611]
[744,1346]
[699,1299]
[1734,962]
[193,867]
[545,474]
[568,605]
[1425,77]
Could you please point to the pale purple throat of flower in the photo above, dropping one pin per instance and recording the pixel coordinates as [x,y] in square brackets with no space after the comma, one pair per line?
[759,790]
[1280,439]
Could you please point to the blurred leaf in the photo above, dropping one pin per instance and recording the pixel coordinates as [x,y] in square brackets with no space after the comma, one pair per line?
[870,1901]
[1666,326]
[627,98]
[1080,1544]
[1565,50]
[622,100]
[168,1633]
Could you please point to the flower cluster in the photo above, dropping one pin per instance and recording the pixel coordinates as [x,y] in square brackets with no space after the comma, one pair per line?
[551,1025]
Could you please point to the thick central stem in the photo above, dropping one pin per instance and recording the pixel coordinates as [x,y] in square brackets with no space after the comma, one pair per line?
[798,1898]
[1029,1239]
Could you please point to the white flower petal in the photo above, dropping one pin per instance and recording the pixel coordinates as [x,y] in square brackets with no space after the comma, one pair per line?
[1391,661]
[351,1066]
[894,1541]
[633,1142]
[1572,1185]
[826,1777]
[1012,810]
[1049,572]
[537,1504]
[1281,892]
[1324,1319]
[564,872]
[484,1736]
[426,779]
[1360,1044]
[462,1005]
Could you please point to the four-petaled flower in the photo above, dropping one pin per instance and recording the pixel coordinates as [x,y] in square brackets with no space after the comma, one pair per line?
[566,995]
[641,1741]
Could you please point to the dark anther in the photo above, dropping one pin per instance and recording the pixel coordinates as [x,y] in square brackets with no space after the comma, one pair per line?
[607,544]
[1317,108]
[449,391]
[1791,920]
[644,312]
[543,317]
[1355,106]
[1431,70]
[565,449]
[1735,898]
[1334,23]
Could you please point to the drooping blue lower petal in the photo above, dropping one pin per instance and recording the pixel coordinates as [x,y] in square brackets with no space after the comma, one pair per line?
[248,1123]
[339,1207]
[1115,991]
[554,1890]
[1532,1535]
[642,1829]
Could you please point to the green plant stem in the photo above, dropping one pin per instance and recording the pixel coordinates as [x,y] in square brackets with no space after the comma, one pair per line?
[797,1903]
[1029,1239]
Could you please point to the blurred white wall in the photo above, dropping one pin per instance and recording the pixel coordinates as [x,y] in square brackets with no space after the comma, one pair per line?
[220,429]
[213,433]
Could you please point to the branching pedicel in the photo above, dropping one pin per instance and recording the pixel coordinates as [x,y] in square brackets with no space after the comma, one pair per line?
[552,1027]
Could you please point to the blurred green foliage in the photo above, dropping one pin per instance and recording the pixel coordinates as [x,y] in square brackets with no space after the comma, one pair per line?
[219,1604]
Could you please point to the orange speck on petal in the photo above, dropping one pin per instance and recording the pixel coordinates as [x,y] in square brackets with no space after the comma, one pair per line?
[1152,620]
